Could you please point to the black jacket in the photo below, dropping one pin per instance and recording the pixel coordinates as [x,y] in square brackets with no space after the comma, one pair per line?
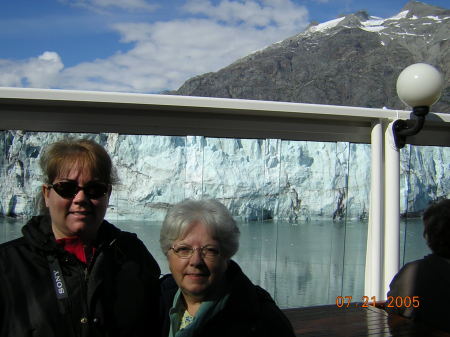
[118,295]
[249,311]
[421,291]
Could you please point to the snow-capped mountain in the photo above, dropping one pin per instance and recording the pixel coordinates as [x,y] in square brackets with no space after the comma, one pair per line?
[352,60]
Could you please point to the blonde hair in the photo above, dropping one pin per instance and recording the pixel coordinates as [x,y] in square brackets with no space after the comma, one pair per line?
[86,154]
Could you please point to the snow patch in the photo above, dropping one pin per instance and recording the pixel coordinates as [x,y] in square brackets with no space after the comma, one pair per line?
[373,28]
[373,22]
[434,18]
[325,26]
[399,16]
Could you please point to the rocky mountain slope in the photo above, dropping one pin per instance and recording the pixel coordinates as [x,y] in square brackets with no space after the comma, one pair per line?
[353,60]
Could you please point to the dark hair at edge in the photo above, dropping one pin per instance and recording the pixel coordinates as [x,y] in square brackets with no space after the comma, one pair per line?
[86,154]
[436,220]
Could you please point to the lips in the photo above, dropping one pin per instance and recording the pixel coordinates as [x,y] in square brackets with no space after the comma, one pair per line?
[80,213]
[197,275]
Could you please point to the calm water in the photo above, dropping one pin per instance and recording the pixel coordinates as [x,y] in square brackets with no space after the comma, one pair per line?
[299,264]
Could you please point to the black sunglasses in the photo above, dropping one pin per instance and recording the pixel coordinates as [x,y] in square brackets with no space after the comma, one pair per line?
[69,189]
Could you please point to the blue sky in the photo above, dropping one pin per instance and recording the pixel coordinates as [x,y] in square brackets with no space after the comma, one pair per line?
[146,45]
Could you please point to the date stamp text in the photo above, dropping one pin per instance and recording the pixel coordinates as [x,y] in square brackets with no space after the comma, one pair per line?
[366,301]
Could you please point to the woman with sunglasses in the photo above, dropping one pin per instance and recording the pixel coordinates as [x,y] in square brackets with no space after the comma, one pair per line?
[207,293]
[73,273]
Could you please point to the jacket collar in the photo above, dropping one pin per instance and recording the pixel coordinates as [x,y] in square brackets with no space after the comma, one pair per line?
[38,233]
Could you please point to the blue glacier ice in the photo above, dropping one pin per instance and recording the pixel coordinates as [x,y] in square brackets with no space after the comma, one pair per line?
[257,179]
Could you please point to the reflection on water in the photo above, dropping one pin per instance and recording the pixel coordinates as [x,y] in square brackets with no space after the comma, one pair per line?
[300,264]
[10,228]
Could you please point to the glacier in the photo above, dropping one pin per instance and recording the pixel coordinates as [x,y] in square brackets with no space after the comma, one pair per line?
[258,179]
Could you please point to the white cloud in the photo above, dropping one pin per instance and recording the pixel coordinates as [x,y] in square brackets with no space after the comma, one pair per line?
[165,54]
[40,72]
[253,13]
[130,5]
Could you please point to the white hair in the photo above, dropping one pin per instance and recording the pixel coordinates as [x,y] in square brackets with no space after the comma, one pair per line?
[211,213]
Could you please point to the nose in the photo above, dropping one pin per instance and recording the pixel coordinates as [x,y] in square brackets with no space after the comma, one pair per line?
[196,258]
[80,197]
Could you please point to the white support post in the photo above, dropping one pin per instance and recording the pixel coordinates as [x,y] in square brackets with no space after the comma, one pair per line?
[392,210]
[374,252]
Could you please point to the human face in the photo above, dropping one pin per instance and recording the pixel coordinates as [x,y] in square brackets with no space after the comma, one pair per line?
[197,277]
[79,216]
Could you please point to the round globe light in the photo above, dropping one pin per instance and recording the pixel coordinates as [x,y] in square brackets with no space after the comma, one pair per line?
[419,84]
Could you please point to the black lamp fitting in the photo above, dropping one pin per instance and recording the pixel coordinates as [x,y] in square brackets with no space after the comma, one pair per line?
[401,129]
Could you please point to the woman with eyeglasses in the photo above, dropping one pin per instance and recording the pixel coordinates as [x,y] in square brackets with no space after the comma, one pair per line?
[74,274]
[207,293]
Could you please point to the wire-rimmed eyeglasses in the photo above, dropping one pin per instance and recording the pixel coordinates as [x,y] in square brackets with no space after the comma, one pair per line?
[185,251]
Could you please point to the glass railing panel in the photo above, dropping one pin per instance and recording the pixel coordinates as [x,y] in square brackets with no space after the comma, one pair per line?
[354,260]
[339,220]
[258,252]
[309,256]
[269,201]
[313,183]
[424,179]
[259,242]
[233,172]
[357,209]
[413,245]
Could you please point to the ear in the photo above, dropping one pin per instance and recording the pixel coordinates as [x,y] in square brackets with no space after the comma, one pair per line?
[45,194]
